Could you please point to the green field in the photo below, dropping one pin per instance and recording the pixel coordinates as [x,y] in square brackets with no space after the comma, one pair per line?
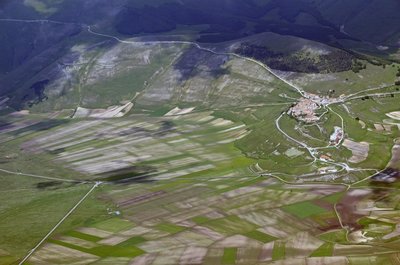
[229,256]
[304,209]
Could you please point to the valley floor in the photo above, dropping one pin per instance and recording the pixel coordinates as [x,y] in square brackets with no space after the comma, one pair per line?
[254,183]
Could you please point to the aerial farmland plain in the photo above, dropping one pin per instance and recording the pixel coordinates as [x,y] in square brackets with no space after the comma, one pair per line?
[201,142]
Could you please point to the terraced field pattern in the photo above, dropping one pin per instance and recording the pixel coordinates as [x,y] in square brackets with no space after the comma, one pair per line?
[158,149]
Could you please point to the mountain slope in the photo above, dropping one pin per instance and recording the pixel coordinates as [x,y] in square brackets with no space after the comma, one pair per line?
[34,51]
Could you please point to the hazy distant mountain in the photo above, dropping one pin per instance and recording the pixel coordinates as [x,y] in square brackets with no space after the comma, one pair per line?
[30,48]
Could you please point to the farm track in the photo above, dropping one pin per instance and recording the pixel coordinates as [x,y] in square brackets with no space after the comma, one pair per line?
[41,177]
[32,251]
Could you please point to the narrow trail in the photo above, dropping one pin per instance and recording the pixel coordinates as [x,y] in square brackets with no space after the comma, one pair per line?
[366,90]
[32,251]
[301,144]
[198,46]
[335,209]
[40,21]
[41,177]
[386,94]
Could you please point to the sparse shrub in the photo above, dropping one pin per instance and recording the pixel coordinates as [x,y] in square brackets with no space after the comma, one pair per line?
[358,66]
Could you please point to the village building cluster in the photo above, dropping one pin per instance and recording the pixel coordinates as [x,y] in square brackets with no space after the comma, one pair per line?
[305,110]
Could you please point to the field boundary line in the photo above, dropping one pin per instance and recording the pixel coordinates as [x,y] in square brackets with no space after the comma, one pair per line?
[39,176]
[30,253]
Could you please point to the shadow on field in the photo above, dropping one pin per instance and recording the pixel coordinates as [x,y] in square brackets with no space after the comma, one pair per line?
[134,174]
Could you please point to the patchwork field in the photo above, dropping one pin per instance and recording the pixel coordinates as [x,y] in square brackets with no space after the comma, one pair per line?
[144,147]
[201,156]
[176,190]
